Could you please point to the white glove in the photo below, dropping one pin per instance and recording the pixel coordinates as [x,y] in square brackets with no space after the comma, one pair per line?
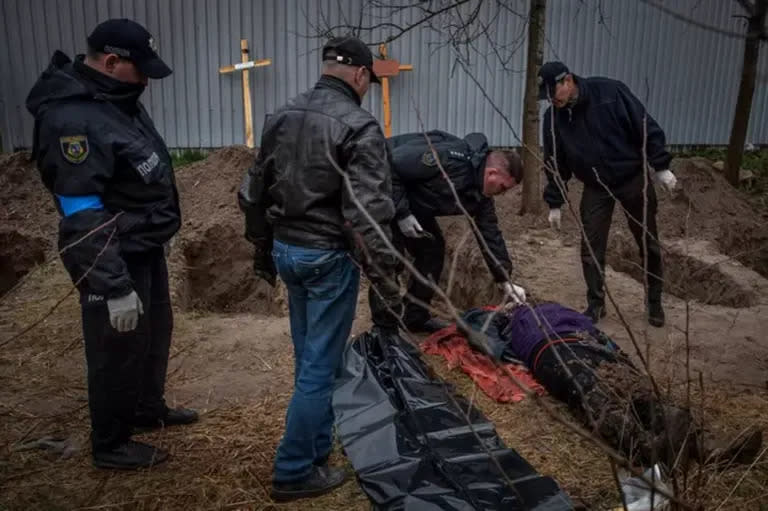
[514,292]
[410,227]
[555,218]
[665,178]
[124,312]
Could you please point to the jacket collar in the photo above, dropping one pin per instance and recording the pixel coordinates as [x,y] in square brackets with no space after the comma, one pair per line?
[477,144]
[124,95]
[337,84]
[584,90]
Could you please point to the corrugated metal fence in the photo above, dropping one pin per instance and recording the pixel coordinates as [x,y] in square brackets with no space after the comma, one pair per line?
[688,76]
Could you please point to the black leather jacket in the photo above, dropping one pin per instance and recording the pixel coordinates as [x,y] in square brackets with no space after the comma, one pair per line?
[295,192]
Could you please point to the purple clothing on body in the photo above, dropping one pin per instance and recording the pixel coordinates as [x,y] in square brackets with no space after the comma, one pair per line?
[522,332]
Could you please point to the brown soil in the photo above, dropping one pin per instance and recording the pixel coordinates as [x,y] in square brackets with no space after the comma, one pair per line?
[19,253]
[215,271]
[26,204]
[686,276]
[232,356]
[27,219]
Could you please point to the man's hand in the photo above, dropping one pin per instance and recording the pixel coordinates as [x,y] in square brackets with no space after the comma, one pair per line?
[665,178]
[410,227]
[555,218]
[124,312]
[512,291]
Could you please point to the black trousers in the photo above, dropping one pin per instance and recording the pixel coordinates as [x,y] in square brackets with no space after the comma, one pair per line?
[620,408]
[596,213]
[429,256]
[126,371]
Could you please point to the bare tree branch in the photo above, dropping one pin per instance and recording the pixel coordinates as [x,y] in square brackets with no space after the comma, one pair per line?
[710,28]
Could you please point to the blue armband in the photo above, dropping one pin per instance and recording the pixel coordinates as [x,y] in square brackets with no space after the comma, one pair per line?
[72,204]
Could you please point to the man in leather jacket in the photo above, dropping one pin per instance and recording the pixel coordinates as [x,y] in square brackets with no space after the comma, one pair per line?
[422,193]
[111,177]
[322,159]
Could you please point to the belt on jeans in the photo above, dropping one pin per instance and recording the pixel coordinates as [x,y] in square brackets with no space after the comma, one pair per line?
[549,345]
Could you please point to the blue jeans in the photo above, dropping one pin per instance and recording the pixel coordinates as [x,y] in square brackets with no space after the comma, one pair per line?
[322,298]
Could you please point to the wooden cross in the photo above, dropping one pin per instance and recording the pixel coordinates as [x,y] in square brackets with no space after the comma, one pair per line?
[244,66]
[384,69]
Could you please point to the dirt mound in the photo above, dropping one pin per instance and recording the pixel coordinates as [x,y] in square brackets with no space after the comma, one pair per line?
[686,276]
[465,273]
[212,264]
[25,204]
[27,216]
[19,253]
[707,207]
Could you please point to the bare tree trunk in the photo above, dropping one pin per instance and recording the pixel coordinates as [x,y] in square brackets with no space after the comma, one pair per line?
[530,151]
[741,116]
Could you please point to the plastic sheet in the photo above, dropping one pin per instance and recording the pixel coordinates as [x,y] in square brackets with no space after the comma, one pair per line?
[411,446]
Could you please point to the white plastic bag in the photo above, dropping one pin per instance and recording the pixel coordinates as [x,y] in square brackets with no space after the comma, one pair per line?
[637,493]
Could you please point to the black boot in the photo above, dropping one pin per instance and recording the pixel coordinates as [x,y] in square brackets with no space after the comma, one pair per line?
[320,481]
[130,455]
[717,448]
[655,314]
[173,417]
[595,312]
[180,416]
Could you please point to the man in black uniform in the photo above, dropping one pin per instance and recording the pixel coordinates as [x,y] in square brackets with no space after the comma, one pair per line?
[600,131]
[112,181]
[421,194]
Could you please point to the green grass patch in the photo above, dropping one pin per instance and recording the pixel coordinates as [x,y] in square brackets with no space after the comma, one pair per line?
[756,161]
[187,156]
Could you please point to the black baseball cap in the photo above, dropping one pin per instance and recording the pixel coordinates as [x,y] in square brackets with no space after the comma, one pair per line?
[549,74]
[350,51]
[129,40]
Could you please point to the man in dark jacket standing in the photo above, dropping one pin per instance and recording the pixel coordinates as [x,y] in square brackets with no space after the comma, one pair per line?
[422,193]
[111,177]
[599,132]
[301,209]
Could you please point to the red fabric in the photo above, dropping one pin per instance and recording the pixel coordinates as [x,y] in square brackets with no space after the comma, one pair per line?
[493,379]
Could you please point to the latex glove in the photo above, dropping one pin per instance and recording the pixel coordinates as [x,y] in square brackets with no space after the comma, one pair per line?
[555,218]
[514,292]
[124,312]
[665,178]
[410,227]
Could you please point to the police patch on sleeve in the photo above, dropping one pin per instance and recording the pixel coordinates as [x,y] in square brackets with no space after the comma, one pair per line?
[428,159]
[74,148]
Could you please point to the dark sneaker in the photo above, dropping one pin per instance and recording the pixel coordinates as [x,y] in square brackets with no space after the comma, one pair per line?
[429,326]
[321,480]
[743,449]
[655,314]
[180,416]
[173,417]
[130,455]
[595,313]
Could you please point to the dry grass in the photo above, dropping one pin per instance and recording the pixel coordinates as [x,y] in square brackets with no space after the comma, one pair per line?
[225,461]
